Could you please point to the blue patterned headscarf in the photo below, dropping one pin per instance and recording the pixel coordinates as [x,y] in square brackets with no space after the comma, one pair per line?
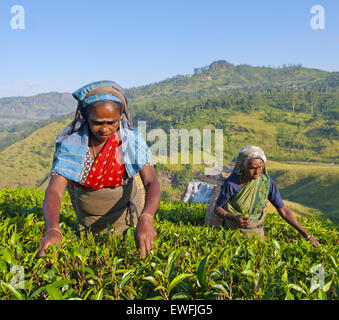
[72,143]
[87,94]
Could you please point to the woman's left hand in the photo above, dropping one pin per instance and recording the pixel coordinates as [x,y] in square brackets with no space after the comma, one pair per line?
[314,241]
[145,234]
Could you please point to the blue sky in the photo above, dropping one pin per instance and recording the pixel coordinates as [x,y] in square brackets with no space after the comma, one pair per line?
[66,44]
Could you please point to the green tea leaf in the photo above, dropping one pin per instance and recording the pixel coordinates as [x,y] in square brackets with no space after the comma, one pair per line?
[156,298]
[6,255]
[333,261]
[88,293]
[201,272]
[322,295]
[249,273]
[99,295]
[170,264]
[296,287]
[276,244]
[125,278]
[221,253]
[178,279]
[327,286]
[151,280]
[284,277]
[221,288]
[161,287]
[15,292]
[181,296]
[54,293]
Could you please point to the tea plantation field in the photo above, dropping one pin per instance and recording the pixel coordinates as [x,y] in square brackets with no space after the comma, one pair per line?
[189,261]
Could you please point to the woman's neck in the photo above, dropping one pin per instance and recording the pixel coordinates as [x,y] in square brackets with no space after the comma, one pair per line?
[243,179]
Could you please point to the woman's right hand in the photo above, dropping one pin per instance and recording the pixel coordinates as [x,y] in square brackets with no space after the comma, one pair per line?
[242,221]
[51,237]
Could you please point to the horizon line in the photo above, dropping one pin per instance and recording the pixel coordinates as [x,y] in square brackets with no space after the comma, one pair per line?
[283,66]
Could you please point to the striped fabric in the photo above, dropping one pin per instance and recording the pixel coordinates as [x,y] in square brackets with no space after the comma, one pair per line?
[136,151]
[81,93]
[70,153]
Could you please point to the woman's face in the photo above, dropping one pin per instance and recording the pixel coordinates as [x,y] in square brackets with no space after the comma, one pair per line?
[254,168]
[103,120]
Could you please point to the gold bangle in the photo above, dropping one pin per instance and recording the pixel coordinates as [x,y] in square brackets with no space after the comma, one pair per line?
[55,229]
[146,214]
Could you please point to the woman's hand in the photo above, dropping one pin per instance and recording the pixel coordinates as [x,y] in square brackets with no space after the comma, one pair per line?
[242,221]
[145,234]
[51,208]
[314,241]
[287,215]
[51,237]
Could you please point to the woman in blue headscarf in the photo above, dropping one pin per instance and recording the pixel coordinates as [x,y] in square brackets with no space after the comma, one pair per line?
[97,158]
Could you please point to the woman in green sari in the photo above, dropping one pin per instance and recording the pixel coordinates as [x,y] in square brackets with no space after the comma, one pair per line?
[244,194]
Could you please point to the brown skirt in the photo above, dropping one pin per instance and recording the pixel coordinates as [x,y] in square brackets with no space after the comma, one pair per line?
[118,207]
[254,226]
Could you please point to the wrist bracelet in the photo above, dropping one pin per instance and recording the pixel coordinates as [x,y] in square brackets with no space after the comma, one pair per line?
[146,214]
[308,237]
[55,229]
[221,215]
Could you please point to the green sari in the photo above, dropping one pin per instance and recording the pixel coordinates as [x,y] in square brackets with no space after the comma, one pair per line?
[250,201]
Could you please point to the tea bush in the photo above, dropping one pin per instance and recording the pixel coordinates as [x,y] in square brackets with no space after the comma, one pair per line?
[189,261]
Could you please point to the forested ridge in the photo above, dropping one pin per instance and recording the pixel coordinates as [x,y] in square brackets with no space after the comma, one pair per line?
[291,112]
[301,103]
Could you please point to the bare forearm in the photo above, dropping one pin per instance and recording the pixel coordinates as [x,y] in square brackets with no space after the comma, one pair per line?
[222,213]
[152,198]
[287,215]
[51,209]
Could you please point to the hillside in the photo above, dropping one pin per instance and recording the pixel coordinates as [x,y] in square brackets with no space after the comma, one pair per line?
[222,76]
[28,161]
[14,110]
[214,79]
[312,185]
[308,187]
[14,133]
[291,112]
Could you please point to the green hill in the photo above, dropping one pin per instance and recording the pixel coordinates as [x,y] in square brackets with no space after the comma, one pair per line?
[28,161]
[291,112]
[214,79]
[312,185]
[222,76]
[308,187]
[14,133]
[15,110]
